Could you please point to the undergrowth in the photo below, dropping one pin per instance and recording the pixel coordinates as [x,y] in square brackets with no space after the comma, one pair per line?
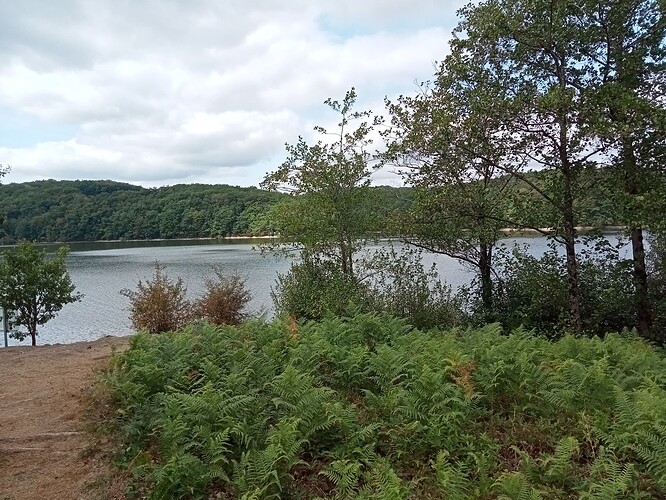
[368,407]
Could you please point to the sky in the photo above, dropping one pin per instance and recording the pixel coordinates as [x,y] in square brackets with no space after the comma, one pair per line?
[180,91]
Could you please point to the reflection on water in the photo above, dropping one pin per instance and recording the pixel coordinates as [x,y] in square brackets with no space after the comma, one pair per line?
[101,270]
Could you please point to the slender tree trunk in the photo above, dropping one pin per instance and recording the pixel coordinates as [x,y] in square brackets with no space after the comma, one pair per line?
[641,296]
[345,258]
[485,269]
[573,279]
[568,179]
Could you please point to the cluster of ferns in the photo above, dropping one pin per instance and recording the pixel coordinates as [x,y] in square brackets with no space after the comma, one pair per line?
[368,407]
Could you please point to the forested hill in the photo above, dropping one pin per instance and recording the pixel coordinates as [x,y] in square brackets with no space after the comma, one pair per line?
[107,210]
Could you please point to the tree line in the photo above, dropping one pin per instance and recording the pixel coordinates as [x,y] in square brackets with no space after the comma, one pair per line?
[90,210]
[106,210]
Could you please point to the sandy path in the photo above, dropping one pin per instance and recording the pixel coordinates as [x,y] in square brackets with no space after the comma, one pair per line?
[41,419]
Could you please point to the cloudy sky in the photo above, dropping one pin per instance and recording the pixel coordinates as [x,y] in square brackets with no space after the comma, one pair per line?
[179,91]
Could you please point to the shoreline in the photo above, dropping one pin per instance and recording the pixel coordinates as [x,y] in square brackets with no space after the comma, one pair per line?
[509,231]
[78,343]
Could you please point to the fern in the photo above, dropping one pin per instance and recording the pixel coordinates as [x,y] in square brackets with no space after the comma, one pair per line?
[345,475]
[383,483]
[452,480]
[609,479]
[514,486]
[368,407]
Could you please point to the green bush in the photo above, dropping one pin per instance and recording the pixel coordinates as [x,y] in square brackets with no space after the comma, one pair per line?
[369,407]
[314,287]
[533,292]
[400,285]
[392,282]
[657,284]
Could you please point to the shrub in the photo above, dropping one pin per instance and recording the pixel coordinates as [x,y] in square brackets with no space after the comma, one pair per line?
[533,291]
[159,305]
[314,287]
[391,282]
[401,285]
[224,300]
[657,284]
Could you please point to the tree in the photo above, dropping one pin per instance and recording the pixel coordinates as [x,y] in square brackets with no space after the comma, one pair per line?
[453,151]
[330,213]
[34,288]
[625,42]
[537,45]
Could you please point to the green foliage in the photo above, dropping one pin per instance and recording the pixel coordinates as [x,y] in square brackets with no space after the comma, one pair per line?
[107,210]
[400,285]
[369,407]
[393,282]
[33,287]
[313,288]
[657,283]
[159,305]
[533,291]
[330,214]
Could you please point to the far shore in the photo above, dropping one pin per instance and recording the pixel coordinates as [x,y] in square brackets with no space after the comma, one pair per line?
[508,231]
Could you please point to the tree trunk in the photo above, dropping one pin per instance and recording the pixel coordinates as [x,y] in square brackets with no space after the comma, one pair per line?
[346,258]
[485,269]
[641,297]
[572,279]
[568,180]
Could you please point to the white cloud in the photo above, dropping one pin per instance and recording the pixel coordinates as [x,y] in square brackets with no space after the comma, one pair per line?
[160,92]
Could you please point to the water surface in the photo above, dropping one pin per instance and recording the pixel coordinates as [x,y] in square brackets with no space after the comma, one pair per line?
[101,270]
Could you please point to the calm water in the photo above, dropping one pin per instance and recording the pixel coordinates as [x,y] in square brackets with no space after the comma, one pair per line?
[101,270]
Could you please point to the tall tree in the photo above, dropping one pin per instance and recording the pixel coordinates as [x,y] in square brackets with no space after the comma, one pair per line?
[454,151]
[535,43]
[624,43]
[330,213]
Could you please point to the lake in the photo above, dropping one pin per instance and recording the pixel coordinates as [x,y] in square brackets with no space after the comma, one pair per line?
[101,270]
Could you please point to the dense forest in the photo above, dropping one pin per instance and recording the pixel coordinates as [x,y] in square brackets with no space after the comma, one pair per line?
[93,210]
[69,211]
[106,210]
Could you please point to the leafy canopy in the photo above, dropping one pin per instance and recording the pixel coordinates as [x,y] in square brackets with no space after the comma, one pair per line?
[34,287]
[331,210]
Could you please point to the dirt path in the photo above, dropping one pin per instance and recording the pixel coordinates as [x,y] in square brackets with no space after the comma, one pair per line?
[42,442]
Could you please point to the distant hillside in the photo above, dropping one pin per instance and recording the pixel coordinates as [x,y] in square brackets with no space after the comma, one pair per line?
[106,210]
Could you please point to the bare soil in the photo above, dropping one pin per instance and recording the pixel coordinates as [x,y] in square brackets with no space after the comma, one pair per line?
[45,451]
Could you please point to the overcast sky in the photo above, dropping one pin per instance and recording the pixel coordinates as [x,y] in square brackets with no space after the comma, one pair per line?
[180,91]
